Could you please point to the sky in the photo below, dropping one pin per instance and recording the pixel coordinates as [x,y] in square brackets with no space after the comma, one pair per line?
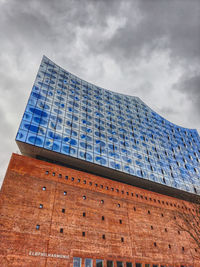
[144,48]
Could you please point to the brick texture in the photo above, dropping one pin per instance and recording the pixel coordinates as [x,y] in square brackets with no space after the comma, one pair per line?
[118,221]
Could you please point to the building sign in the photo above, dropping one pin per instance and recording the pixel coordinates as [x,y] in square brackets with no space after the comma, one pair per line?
[49,255]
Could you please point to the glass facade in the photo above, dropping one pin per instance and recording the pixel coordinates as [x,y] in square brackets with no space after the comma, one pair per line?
[70,116]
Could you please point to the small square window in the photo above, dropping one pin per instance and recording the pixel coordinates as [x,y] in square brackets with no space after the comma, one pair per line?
[118,205]
[37,227]
[84,214]
[61,230]
[102,201]
[79,180]
[72,178]
[65,193]
[112,189]
[84,181]
[155,244]
[120,221]
[63,210]
[90,183]
[41,206]
[53,173]
[122,239]
[84,197]
[83,233]
[103,236]
[60,175]
[47,172]
[110,264]
[44,188]
[66,177]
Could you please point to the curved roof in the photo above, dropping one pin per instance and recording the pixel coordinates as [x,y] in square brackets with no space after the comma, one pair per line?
[74,119]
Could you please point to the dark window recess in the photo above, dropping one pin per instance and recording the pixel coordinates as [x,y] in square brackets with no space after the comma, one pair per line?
[61,230]
[102,201]
[110,264]
[79,180]
[103,236]
[169,246]
[179,232]
[47,172]
[44,188]
[101,186]
[120,221]
[84,214]
[118,205]
[96,185]
[149,212]
[134,208]
[119,264]
[151,227]
[37,227]
[72,178]
[127,193]
[102,218]
[138,265]
[165,229]
[183,248]
[174,217]
[155,244]
[66,177]
[90,183]
[106,187]
[60,175]
[84,197]
[122,192]
[63,210]
[117,190]
[84,181]
[112,189]
[65,193]
[129,264]
[122,239]
[41,206]
[53,174]
[162,215]
[83,233]
[195,190]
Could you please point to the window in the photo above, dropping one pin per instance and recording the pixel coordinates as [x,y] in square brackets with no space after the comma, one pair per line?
[138,265]
[102,201]
[103,236]
[162,215]
[134,208]
[44,188]
[110,264]
[118,205]
[90,183]
[41,206]
[65,193]
[84,197]
[183,248]
[165,229]
[79,180]
[72,178]
[119,264]
[102,218]
[88,262]
[149,212]
[47,172]
[129,264]
[84,214]
[122,239]
[66,177]
[63,210]
[83,233]
[169,246]
[85,183]
[155,244]
[120,221]
[151,227]
[99,263]
[53,173]
[37,227]
[61,230]
[76,262]
[147,265]
[60,175]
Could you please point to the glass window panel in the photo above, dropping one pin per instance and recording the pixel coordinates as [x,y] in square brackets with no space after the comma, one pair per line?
[119,264]
[110,264]
[76,262]
[88,262]
[99,263]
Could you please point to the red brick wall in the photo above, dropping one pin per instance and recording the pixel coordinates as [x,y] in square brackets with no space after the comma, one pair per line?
[146,218]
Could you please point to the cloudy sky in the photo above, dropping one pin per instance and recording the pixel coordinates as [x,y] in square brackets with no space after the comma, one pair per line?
[145,48]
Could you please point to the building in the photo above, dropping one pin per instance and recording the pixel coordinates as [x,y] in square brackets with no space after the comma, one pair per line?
[99,180]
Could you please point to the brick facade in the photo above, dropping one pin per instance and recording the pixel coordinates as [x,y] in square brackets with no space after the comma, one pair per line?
[87,216]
